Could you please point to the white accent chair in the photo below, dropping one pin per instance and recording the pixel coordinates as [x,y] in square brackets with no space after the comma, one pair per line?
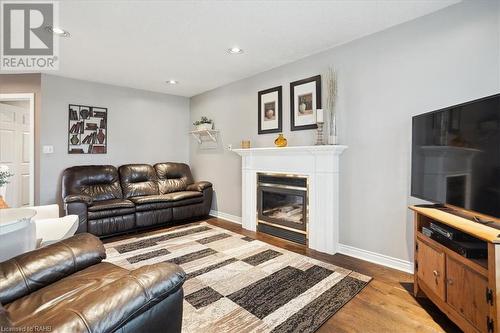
[51,228]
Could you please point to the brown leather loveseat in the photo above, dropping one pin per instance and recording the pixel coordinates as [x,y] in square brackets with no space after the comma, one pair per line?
[111,201]
[65,287]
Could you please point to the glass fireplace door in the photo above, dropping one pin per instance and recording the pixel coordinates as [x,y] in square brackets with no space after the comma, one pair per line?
[282,206]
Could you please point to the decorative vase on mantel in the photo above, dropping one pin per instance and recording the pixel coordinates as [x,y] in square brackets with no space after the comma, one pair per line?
[281,141]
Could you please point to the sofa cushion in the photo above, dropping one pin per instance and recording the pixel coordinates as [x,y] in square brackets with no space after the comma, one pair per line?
[100,182]
[62,293]
[185,198]
[138,180]
[110,204]
[147,199]
[153,206]
[184,195]
[173,177]
[167,200]
[151,202]
[110,208]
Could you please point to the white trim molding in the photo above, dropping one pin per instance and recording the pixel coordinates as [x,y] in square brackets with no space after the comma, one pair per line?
[376,258]
[225,216]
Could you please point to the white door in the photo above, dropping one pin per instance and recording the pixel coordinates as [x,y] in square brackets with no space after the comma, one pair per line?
[15,151]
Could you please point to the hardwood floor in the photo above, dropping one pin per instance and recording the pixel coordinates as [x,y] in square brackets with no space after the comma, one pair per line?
[386,304]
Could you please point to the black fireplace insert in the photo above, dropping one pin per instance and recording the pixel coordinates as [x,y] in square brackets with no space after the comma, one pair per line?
[282,206]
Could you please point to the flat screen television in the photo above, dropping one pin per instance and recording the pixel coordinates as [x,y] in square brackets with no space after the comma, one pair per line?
[456,156]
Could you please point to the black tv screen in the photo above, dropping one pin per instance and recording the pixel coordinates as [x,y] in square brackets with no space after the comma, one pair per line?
[456,156]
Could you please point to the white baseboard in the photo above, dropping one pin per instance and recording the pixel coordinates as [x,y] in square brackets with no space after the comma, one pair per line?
[225,216]
[376,258]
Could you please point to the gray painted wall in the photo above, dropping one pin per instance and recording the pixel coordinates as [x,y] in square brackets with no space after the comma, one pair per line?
[442,59]
[144,127]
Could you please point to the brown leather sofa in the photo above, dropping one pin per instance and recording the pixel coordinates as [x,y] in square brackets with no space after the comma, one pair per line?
[111,201]
[65,287]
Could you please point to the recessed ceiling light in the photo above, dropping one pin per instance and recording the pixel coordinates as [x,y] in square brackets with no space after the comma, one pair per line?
[235,50]
[172,82]
[58,31]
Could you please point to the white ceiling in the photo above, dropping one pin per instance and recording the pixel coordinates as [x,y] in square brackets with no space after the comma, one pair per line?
[140,44]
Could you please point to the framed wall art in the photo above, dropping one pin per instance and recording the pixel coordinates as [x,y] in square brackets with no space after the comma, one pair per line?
[305,98]
[87,129]
[270,110]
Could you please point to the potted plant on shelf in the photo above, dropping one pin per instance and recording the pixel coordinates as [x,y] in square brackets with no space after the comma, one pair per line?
[203,124]
[5,174]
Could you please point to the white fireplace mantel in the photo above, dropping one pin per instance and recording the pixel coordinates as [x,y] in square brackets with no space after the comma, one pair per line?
[320,164]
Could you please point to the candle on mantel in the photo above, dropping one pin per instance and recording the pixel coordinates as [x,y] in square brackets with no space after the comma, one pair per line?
[319,116]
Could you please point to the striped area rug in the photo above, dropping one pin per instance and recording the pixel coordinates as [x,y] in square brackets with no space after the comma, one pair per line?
[238,284]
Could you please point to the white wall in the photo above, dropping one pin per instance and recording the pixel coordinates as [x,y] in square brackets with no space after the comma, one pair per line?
[438,60]
[143,127]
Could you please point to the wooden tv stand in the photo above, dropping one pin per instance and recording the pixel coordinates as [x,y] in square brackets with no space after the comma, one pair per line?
[466,290]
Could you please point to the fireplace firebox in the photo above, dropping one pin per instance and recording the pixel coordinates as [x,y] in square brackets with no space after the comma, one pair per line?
[282,206]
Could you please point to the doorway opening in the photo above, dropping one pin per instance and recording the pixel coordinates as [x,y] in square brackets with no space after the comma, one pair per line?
[17,148]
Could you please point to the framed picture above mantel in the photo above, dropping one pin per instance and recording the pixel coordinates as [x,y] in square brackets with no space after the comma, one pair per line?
[270,110]
[305,99]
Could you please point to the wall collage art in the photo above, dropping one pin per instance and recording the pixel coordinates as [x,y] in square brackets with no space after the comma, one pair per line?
[87,129]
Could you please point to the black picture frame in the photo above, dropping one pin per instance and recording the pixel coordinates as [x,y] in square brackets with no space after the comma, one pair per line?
[261,93]
[317,80]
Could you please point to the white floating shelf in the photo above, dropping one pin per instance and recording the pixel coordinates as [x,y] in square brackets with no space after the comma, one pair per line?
[205,135]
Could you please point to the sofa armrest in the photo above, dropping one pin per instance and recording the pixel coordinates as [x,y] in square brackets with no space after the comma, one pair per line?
[77,204]
[78,208]
[199,186]
[34,270]
[113,305]
[78,198]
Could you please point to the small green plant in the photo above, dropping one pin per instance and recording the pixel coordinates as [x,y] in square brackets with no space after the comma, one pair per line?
[5,174]
[203,120]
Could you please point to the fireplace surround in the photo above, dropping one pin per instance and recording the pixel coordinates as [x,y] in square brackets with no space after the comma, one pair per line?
[320,164]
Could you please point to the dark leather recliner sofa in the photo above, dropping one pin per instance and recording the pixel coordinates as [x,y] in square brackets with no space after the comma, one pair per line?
[65,287]
[111,201]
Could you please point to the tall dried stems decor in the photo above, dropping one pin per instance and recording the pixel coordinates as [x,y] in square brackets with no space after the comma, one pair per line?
[331,98]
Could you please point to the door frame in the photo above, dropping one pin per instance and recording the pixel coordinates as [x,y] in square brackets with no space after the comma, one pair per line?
[31,98]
